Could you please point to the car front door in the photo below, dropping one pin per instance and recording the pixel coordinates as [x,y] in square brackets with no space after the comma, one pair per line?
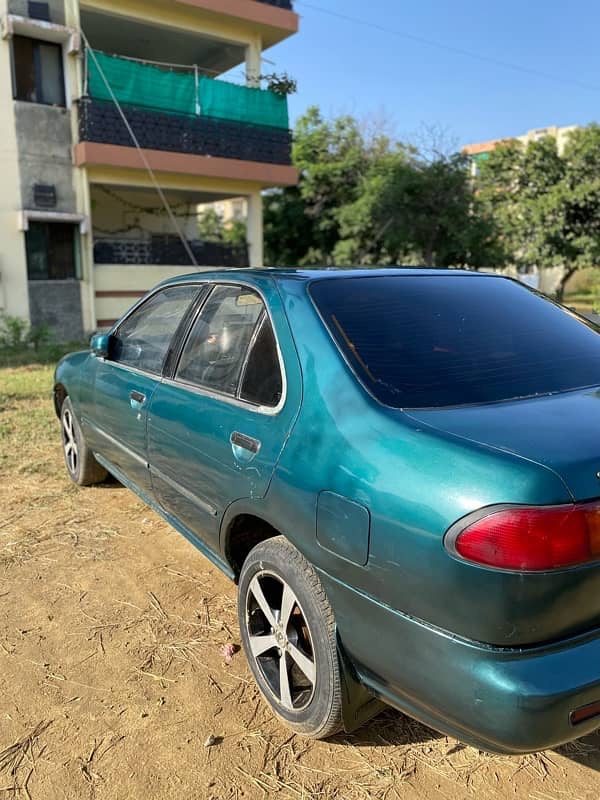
[114,418]
[217,426]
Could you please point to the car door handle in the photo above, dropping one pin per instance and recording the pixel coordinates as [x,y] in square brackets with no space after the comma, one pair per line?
[137,397]
[245,442]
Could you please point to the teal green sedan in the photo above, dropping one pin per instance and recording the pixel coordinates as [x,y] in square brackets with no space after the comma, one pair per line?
[399,468]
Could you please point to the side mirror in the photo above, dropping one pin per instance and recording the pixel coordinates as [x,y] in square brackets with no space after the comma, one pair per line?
[99,344]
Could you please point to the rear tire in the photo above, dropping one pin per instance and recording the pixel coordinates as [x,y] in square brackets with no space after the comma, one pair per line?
[288,633]
[81,465]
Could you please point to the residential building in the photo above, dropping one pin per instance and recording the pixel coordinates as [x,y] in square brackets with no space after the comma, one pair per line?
[480,151]
[83,229]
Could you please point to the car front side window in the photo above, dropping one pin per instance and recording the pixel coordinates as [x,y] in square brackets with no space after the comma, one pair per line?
[142,340]
[216,348]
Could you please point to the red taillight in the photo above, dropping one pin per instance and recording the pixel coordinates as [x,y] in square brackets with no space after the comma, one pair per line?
[531,538]
[584,713]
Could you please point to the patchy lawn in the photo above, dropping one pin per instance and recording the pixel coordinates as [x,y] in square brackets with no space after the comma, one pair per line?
[112,679]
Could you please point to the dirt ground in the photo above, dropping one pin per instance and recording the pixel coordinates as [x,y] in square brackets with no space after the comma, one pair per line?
[112,679]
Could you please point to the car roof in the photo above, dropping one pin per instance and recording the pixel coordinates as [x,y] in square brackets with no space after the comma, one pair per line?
[318,273]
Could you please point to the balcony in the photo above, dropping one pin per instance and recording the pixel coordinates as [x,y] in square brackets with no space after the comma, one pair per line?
[185,121]
[168,251]
[100,122]
[211,33]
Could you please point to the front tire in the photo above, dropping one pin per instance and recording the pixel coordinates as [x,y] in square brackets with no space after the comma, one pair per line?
[81,465]
[288,633]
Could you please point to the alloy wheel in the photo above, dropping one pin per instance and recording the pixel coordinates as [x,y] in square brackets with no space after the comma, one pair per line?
[69,438]
[280,641]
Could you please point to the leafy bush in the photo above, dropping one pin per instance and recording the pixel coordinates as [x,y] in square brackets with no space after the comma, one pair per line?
[280,84]
[39,335]
[22,344]
[13,332]
[17,334]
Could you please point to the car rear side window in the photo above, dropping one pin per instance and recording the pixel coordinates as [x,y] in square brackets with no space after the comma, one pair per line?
[262,384]
[215,351]
[143,338]
[419,341]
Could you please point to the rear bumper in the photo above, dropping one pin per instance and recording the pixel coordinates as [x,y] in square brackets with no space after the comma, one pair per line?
[498,699]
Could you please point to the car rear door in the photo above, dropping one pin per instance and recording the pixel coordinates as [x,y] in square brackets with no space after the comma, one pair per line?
[217,426]
[115,415]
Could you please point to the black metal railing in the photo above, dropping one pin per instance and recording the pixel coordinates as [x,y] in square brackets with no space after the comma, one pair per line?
[169,251]
[100,121]
[279,3]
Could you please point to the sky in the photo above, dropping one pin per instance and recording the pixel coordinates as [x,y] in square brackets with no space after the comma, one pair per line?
[390,73]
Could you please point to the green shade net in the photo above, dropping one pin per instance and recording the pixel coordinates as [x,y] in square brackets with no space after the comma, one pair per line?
[243,104]
[135,83]
[139,84]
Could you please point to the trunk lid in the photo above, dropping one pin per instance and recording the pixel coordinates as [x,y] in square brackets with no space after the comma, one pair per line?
[560,431]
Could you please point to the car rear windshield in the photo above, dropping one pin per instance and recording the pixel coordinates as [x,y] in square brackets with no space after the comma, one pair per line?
[418,341]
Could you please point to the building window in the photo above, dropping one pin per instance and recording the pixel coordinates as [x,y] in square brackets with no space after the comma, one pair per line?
[39,11]
[38,71]
[52,251]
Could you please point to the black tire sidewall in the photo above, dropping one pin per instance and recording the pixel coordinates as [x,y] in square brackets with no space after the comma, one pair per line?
[279,557]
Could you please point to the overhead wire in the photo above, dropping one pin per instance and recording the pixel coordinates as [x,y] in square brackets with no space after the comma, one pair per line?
[365,23]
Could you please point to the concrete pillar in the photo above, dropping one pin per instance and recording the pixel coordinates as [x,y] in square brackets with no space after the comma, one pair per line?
[253,62]
[255,203]
[88,290]
[14,296]
[255,229]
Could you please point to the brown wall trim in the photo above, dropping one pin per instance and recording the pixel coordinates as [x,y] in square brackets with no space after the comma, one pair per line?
[122,293]
[111,155]
[262,13]
[105,323]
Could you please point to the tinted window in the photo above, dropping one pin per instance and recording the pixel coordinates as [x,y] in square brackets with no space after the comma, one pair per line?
[418,341]
[215,351]
[38,71]
[52,251]
[261,382]
[143,339]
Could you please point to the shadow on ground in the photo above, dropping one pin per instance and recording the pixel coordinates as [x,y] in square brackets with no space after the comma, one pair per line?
[584,751]
[391,727]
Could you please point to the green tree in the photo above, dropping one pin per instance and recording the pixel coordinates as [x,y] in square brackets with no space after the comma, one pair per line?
[364,199]
[302,224]
[579,201]
[367,225]
[546,205]
[235,232]
[211,228]
[288,229]
[421,211]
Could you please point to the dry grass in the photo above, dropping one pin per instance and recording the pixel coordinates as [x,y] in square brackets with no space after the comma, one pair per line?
[22,753]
